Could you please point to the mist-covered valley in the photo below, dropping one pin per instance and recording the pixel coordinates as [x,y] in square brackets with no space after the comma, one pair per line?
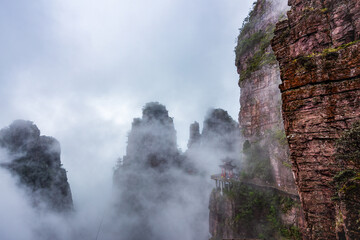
[124,120]
[80,71]
[158,191]
[94,157]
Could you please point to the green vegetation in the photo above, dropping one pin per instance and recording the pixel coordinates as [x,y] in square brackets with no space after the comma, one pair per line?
[292,232]
[324,10]
[257,163]
[286,164]
[328,51]
[287,204]
[347,181]
[255,207]
[348,148]
[257,42]
[343,176]
[249,43]
[306,62]
[303,60]
[309,9]
[251,20]
[261,41]
[279,136]
[344,181]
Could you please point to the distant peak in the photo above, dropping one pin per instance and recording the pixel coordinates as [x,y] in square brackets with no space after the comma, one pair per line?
[155,110]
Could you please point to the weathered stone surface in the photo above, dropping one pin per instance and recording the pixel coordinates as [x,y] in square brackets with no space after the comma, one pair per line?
[260,101]
[318,51]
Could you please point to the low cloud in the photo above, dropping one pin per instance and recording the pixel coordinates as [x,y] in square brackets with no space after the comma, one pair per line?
[81,70]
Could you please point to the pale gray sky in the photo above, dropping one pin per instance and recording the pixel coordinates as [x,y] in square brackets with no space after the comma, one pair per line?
[83,69]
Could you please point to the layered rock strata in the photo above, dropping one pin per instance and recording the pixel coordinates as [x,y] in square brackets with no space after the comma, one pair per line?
[318,51]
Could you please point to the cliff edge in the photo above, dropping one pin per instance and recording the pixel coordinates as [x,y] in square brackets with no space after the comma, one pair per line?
[318,51]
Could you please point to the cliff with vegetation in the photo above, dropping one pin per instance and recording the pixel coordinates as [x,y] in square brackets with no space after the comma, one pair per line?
[35,161]
[260,114]
[318,51]
[264,204]
[251,211]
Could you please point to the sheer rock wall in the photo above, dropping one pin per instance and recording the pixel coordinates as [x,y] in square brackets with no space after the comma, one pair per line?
[318,51]
[260,115]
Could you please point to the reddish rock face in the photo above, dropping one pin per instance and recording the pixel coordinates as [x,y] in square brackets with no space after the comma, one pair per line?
[318,51]
[260,98]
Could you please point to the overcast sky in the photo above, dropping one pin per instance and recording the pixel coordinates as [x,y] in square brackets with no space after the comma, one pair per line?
[81,70]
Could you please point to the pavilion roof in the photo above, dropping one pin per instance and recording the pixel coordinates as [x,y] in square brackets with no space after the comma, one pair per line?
[227,165]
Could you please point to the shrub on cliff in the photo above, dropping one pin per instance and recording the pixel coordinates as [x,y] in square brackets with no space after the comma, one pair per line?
[348,148]
[257,212]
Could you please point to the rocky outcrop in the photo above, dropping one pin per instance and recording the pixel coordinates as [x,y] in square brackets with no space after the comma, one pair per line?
[152,140]
[155,186]
[143,180]
[35,161]
[260,99]
[255,212]
[220,133]
[219,139]
[318,51]
[194,135]
[245,211]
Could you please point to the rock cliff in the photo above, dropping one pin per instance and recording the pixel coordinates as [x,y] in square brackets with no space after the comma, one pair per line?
[251,211]
[318,51]
[35,161]
[218,140]
[220,134]
[260,99]
[156,182]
